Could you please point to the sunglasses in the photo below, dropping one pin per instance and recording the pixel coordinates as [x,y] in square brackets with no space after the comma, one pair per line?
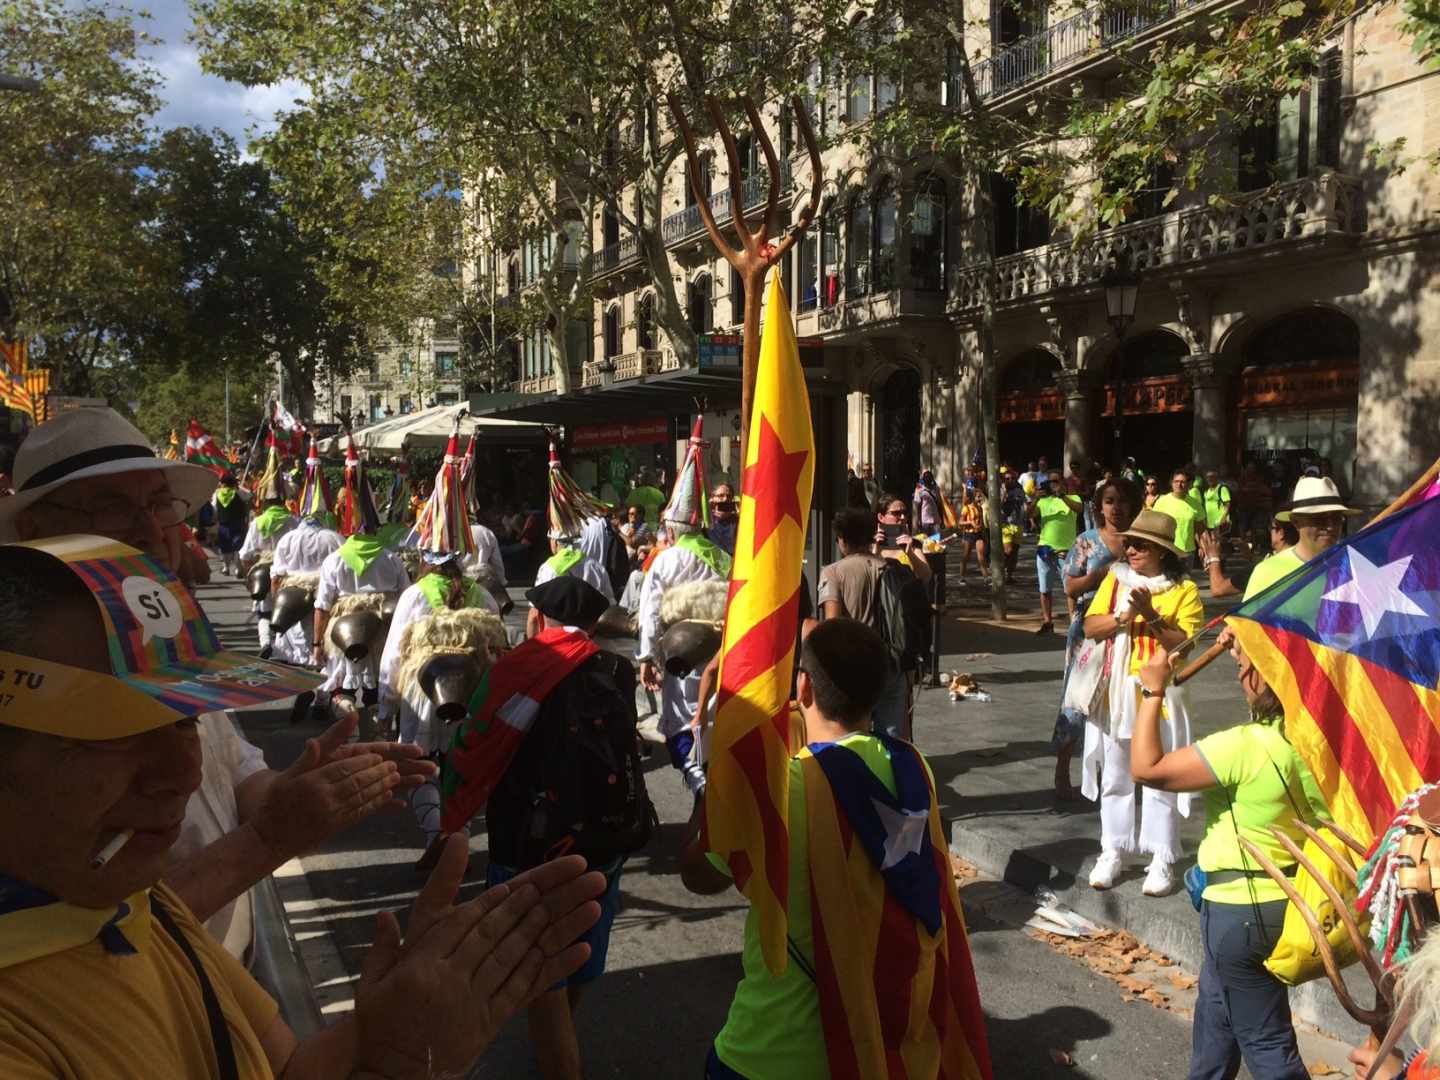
[1138,545]
[895,513]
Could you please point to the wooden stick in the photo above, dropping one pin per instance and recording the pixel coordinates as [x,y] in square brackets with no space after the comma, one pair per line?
[1346,839]
[1345,866]
[1205,659]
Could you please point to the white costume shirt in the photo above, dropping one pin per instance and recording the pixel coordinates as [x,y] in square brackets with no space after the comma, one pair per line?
[673,566]
[587,570]
[256,545]
[228,759]
[487,554]
[302,550]
[416,711]
[385,575]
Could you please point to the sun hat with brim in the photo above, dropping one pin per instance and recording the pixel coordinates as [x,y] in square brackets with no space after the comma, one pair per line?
[166,662]
[1315,495]
[1155,527]
[92,442]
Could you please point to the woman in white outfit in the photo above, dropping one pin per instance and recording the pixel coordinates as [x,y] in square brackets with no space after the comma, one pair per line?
[1146,601]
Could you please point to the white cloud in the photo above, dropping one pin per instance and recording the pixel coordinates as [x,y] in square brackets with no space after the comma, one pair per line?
[193,98]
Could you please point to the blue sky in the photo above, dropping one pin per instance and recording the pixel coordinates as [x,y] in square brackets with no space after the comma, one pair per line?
[194,98]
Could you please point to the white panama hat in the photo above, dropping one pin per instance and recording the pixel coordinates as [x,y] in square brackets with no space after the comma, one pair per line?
[91,442]
[1315,495]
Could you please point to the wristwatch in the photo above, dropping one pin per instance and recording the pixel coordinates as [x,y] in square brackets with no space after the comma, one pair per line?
[1146,692]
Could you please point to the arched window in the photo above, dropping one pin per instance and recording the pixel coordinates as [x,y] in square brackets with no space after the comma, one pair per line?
[1315,336]
[858,239]
[737,298]
[1032,370]
[645,321]
[885,230]
[612,330]
[857,95]
[927,227]
[698,304]
[1156,352]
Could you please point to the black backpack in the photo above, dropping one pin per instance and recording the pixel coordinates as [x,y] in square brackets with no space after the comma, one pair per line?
[904,615]
[576,784]
[617,562]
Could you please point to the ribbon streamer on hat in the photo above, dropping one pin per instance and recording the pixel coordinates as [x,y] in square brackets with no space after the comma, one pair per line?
[570,505]
[688,504]
[443,525]
[315,500]
[358,513]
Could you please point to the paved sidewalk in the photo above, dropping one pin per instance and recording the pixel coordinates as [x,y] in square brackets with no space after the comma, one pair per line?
[995,770]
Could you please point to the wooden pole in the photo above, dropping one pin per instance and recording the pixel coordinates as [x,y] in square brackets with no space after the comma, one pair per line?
[1201,662]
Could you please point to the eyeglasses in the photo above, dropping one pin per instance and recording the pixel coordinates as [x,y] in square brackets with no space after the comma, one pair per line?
[722,504]
[110,516]
[894,511]
[1137,545]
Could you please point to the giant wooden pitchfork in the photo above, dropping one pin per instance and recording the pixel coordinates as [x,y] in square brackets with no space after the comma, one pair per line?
[756,253]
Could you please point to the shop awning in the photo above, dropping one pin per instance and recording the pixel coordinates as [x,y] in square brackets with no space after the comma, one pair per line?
[428,429]
[671,393]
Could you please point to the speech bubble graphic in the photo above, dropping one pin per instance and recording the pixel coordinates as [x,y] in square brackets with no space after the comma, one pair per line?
[154,607]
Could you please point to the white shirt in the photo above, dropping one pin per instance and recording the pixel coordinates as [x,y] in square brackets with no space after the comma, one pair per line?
[385,574]
[587,570]
[228,759]
[487,553]
[257,544]
[673,566]
[303,549]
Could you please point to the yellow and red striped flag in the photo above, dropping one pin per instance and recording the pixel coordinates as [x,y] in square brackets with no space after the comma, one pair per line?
[747,798]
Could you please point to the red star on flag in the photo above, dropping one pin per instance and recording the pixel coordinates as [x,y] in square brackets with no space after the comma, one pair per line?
[773,483]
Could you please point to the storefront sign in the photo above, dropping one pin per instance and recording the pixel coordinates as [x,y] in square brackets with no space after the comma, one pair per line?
[603,436]
[1168,393]
[1308,387]
[1027,406]
[724,351]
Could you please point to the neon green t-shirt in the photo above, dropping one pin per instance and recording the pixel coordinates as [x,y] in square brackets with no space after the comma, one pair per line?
[774,1026]
[1057,522]
[651,498]
[1185,515]
[1267,784]
[1217,502]
[1268,571]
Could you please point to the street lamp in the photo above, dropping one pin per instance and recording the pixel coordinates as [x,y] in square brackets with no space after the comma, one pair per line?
[1122,286]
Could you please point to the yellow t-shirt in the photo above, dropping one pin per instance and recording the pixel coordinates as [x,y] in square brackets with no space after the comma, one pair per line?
[1180,605]
[87,1014]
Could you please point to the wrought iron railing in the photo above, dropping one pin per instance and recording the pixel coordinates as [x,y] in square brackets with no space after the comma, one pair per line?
[1316,206]
[755,190]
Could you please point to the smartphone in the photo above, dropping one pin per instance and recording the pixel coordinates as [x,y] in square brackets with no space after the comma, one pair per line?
[893,534]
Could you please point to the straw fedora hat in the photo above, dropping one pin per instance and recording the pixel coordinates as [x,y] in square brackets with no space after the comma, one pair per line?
[1315,495]
[92,442]
[1154,527]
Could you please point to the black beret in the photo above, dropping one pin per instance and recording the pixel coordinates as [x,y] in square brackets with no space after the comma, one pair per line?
[568,600]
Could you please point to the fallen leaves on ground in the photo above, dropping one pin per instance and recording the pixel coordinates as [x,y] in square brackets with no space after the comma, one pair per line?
[1324,1068]
[1181,980]
[1117,954]
[962,870]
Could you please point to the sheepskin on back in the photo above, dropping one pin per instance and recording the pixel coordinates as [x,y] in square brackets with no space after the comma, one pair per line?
[703,601]
[467,630]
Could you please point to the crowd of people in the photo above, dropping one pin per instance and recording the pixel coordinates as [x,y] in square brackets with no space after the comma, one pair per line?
[135,816]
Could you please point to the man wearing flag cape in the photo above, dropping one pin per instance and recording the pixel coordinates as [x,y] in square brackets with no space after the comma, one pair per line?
[358,577]
[690,559]
[856,958]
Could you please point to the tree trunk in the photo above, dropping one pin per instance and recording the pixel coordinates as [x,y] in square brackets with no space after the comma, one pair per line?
[989,382]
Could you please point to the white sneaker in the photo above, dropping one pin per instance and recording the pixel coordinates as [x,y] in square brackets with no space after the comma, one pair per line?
[1107,869]
[1159,878]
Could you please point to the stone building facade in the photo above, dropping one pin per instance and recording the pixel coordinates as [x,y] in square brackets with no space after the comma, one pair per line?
[401,378]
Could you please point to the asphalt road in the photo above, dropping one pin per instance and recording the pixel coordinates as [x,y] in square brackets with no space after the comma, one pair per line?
[674,957]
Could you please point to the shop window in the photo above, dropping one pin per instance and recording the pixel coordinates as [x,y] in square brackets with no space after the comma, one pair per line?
[1302,135]
[645,321]
[698,305]
[737,299]
[612,330]
[858,239]
[927,228]
[1017,227]
[885,238]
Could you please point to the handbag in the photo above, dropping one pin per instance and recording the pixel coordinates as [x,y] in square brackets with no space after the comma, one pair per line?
[1087,692]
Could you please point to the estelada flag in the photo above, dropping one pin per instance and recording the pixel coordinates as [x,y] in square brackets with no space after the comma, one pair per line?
[747,798]
[892,964]
[200,449]
[1350,643]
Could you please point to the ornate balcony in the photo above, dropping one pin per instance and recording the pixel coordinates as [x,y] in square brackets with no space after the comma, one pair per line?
[632,365]
[1084,34]
[537,384]
[615,256]
[1313,209]
[686,223]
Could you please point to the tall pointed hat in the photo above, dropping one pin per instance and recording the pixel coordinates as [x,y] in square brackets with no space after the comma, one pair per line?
[688,504]
[315,500]
[357,512]
[467,475]
[443,525]
[570,505]
[269,484]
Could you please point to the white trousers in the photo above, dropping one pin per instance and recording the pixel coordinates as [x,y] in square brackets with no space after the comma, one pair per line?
[1158,830]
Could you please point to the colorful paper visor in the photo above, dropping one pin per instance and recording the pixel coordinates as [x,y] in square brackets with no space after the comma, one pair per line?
[165,658]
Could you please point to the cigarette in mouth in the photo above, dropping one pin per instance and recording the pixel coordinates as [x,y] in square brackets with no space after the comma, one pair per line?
[110,850]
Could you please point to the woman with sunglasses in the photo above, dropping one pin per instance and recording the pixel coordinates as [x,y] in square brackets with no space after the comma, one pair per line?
[1146,603]
[1084,570]
[1152,492]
